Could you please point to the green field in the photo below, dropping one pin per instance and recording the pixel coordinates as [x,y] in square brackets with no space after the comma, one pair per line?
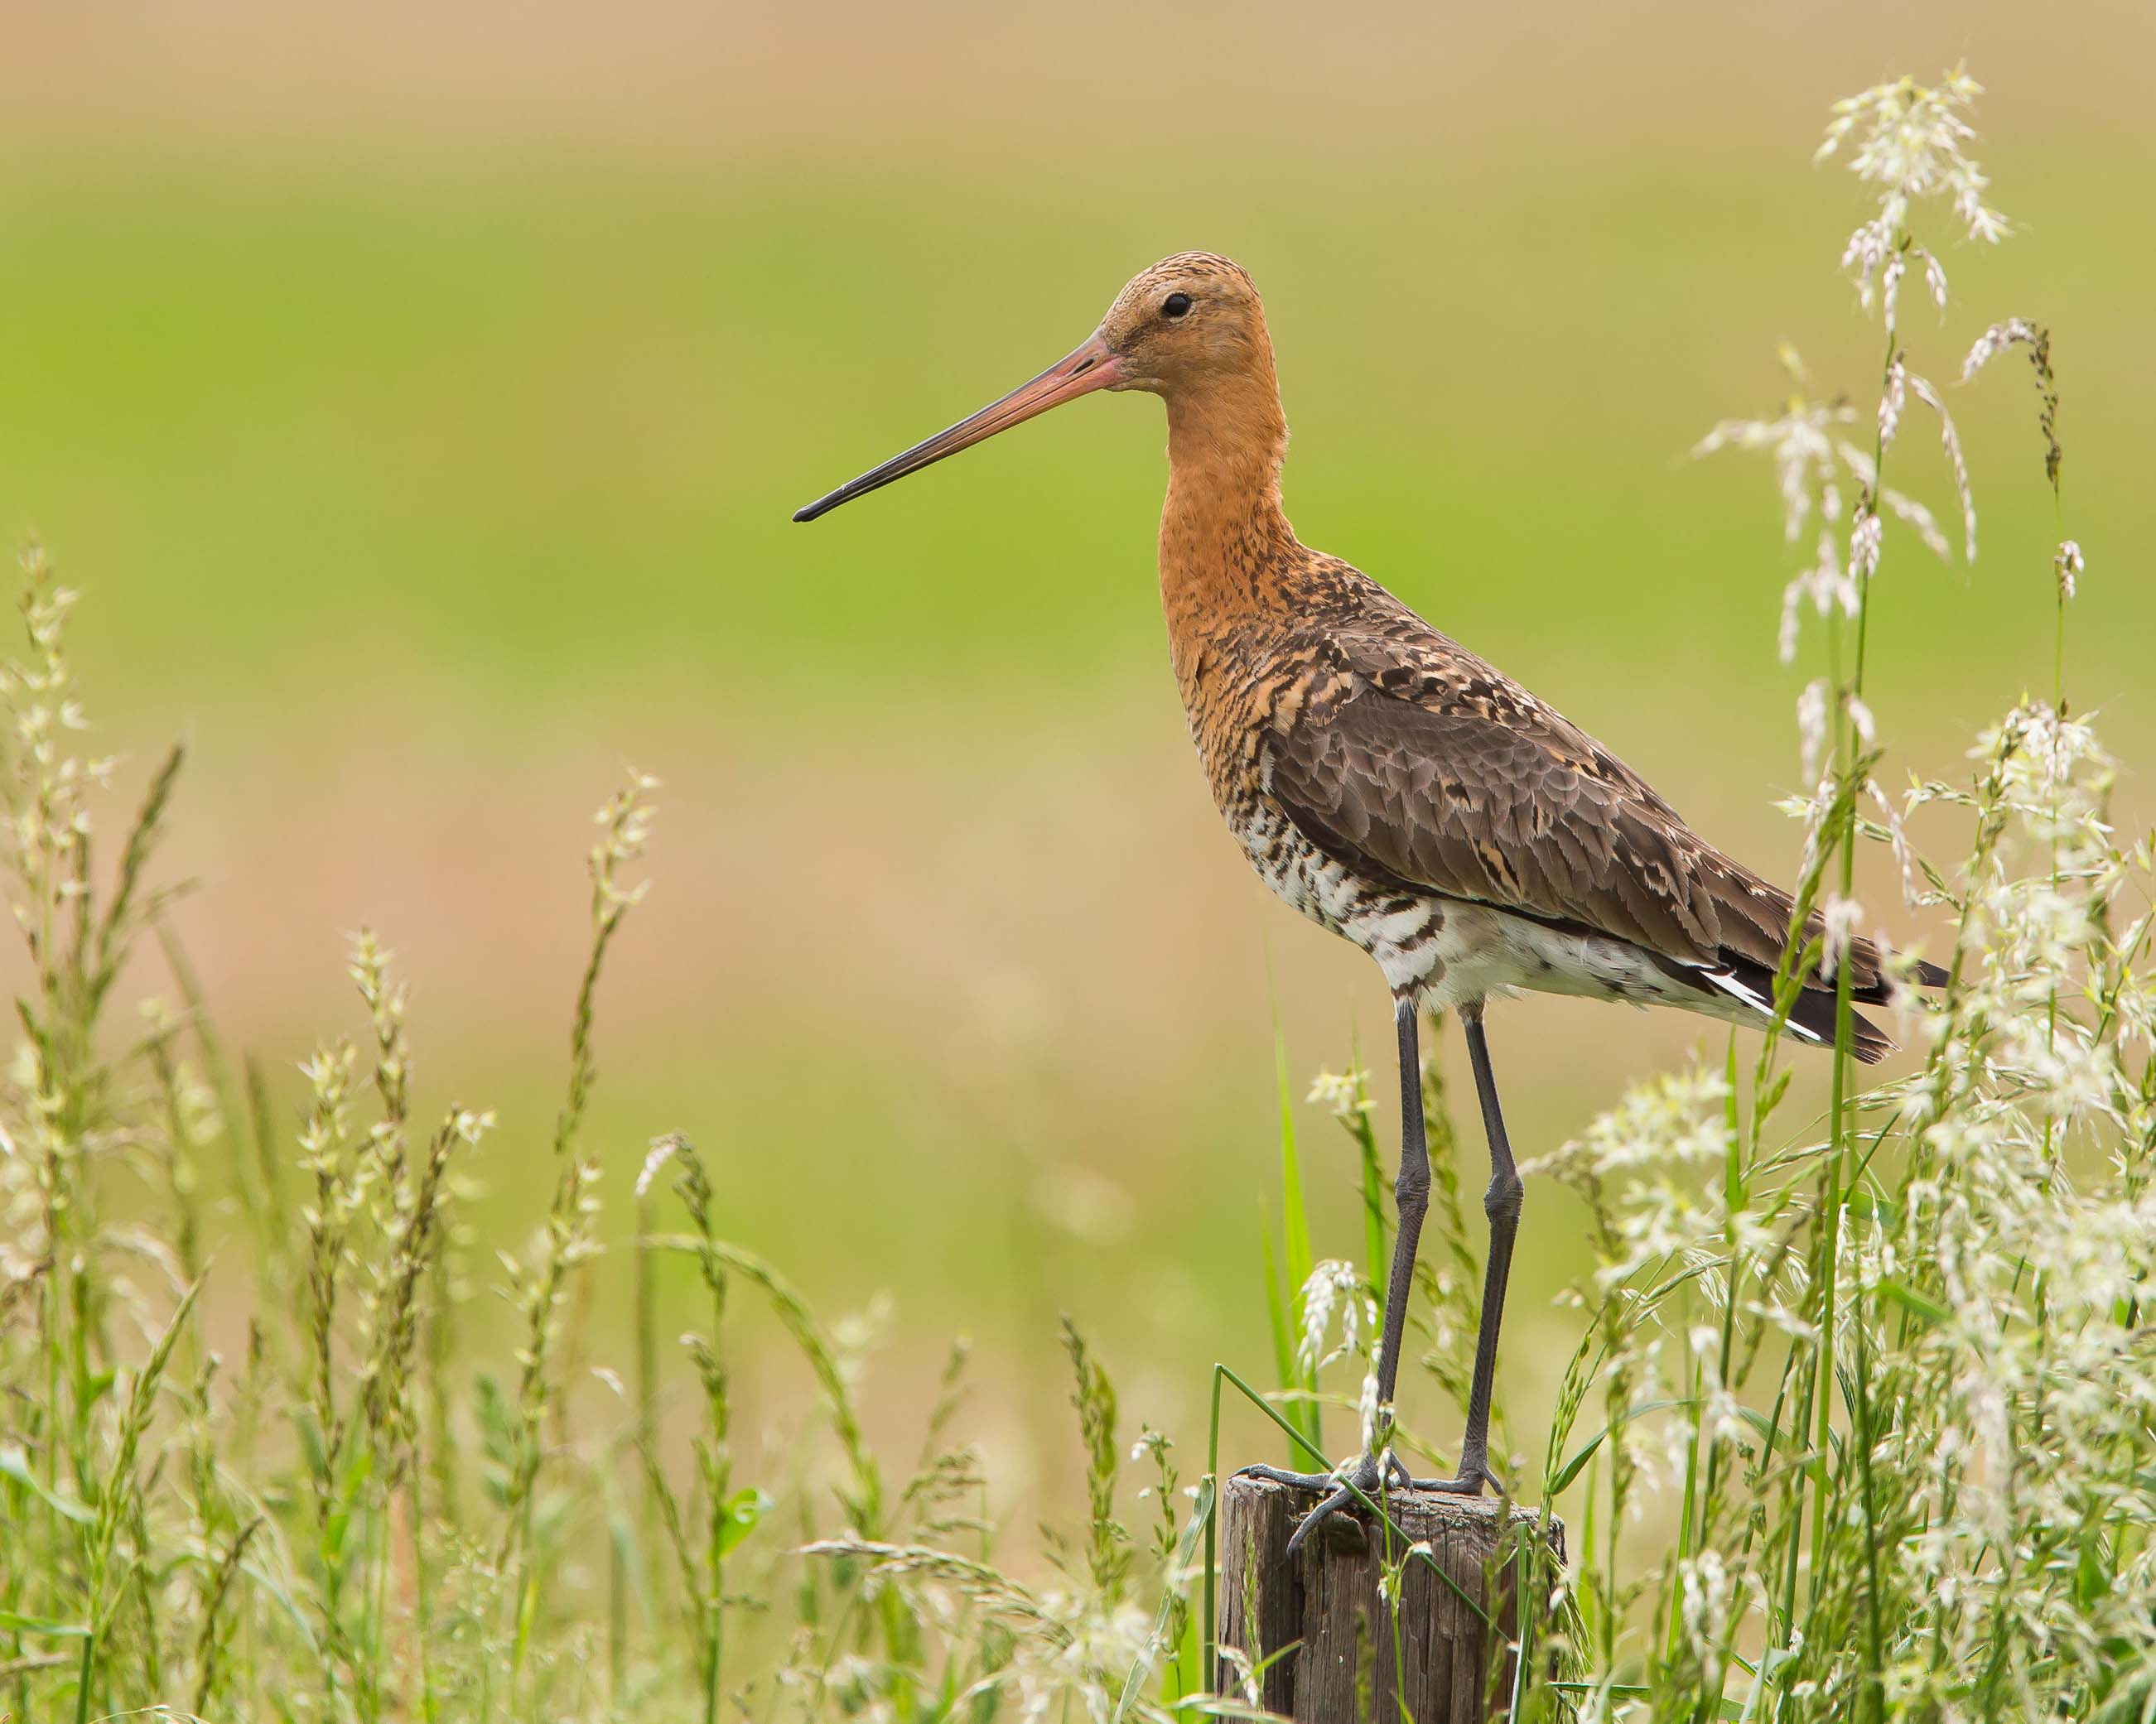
[416,496]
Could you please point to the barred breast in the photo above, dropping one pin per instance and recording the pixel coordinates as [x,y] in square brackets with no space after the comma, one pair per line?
[1401,930]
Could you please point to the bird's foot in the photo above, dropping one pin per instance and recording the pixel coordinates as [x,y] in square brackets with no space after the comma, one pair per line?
[1374,1480]
[1396,1475]
[1344,1489]
[1468,1481]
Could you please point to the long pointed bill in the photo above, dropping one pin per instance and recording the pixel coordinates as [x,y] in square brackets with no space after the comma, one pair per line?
[1092,366]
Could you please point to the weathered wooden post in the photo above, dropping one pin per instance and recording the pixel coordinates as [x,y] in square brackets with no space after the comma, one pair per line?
[1348,1662]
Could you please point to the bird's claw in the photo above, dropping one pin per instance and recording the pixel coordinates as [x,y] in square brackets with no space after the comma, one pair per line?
[1280,1475]
[1370,1479]
[1468,1481]
[1367,1479]
[1396,1475]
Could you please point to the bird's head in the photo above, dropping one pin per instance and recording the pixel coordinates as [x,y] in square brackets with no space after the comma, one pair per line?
[1188,319]
[1191,322]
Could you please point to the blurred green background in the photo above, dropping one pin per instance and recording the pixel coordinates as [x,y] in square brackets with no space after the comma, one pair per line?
[419,399]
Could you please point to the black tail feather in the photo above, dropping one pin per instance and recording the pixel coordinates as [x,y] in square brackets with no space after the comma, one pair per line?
[1811,1016]
[1811,1019]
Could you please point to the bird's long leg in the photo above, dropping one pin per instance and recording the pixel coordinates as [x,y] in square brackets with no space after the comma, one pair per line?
[1501,1204]
[1411,1193]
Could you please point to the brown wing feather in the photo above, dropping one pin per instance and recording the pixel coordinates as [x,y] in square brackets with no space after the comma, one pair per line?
[1420,763]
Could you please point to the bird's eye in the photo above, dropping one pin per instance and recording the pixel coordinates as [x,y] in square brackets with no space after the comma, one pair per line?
[1175,305]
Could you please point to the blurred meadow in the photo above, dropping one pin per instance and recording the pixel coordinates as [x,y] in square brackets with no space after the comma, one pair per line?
[419,402]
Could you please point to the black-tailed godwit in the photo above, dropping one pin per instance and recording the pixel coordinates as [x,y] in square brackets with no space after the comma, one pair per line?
[1394,787]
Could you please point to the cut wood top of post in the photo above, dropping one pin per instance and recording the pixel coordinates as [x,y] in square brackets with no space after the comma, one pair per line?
[1433,1518]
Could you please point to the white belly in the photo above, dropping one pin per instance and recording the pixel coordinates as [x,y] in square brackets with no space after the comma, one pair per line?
[1487,953]
[1447,952]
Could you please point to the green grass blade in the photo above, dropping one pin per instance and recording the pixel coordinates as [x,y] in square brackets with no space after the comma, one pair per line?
[1201,1519]
[14,1621]
[1276,1301]
[1581,1455]
[15,1464]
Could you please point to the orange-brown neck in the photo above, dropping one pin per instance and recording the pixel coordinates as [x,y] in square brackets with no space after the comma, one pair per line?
[1223,540]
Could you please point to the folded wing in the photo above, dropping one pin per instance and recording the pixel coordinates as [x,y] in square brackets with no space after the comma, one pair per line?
[1429,768]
